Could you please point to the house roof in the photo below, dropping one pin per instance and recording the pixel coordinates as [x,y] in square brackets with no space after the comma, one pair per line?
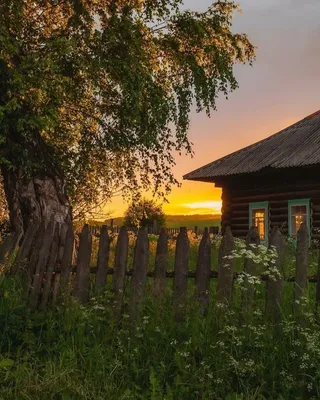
[296,146]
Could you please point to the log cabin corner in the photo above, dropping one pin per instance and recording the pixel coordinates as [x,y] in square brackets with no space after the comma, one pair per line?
[274,182]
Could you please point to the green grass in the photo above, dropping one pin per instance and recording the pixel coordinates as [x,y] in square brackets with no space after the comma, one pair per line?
[78,352]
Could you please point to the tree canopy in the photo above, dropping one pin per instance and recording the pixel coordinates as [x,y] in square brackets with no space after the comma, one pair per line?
[99,92]
[144,213]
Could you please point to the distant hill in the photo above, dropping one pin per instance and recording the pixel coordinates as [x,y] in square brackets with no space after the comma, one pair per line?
[189,221]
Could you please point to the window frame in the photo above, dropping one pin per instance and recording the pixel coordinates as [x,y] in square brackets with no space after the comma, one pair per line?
[256,206]
[299,202]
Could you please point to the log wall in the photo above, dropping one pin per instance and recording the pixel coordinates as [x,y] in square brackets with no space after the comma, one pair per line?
[277,189]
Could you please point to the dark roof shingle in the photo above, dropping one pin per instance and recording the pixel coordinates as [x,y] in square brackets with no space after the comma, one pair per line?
[296,146]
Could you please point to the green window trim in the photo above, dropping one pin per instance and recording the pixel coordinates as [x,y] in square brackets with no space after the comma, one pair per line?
[256,206]
[298,202]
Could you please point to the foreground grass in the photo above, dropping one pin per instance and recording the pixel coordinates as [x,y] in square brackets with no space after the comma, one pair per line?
[75,352]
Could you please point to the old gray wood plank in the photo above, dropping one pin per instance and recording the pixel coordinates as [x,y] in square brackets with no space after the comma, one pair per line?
[180,280]
[225,269]
[66,262]
[20,265]
[203,271]
[161,265]
[81,284]
[47,280]
[139,275]
[118,280]
[103,260]
[35,289]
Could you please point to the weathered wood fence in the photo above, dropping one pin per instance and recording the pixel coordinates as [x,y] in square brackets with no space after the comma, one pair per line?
[154,230]
[43,259]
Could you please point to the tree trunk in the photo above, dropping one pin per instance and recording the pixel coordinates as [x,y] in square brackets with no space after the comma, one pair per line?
[35,198]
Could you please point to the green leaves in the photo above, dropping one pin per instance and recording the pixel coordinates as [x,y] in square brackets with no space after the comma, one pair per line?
[6,363]
[108,86]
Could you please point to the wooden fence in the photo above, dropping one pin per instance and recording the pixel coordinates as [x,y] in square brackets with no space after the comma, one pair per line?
[153,230]
[43,259]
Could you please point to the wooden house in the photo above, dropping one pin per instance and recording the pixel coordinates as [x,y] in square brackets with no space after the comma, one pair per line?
[274,182]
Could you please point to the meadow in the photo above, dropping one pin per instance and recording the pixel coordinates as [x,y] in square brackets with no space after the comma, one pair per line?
[74,351]
[189,221]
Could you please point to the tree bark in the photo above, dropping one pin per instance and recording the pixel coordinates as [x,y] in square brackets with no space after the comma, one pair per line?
[32,198]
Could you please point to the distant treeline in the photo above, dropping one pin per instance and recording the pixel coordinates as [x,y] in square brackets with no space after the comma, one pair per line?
[175,221]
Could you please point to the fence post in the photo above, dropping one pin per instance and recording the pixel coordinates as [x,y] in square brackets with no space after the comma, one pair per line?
[41,265]
[103,260]
[250,268]
[66,263]
[180,280]
[301,264]
[155,227]
[23,255]
[81,284]
[57,276]
[139,275]
[203,271]
[275,279]
[118,279]
[31,267]
[54,248]
[161,264]
[225,269]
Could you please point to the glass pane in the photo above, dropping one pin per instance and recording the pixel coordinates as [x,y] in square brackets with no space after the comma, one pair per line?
[298,216]
[258,220]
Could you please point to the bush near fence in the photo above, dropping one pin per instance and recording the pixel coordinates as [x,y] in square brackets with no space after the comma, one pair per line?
[45,255]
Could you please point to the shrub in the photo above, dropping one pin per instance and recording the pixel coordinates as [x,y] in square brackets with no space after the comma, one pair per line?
[144,213]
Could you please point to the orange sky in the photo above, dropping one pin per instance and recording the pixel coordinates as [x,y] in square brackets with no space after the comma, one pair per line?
[282,87]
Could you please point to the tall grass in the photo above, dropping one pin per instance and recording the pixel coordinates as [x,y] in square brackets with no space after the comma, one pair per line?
[78,352]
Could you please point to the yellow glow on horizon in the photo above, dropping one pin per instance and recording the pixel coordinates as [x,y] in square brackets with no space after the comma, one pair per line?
[214,205]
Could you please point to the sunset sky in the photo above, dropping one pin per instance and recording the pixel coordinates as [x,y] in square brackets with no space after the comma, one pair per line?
[282,87]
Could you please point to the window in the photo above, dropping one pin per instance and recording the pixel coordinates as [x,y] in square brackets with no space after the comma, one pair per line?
[259,217]
[299,212]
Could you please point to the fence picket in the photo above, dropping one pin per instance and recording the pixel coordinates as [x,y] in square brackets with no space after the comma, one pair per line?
[41,264]
[250,268]
[180,280]
[20,263]
[139,275]
[47,256]
[120,266]
[103,260]
[65,264]
[225,269]
[57,276]
[62,241]
[81,284]
[54,248]
[203,271]
[301,263]
[275,281]
[161,264]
